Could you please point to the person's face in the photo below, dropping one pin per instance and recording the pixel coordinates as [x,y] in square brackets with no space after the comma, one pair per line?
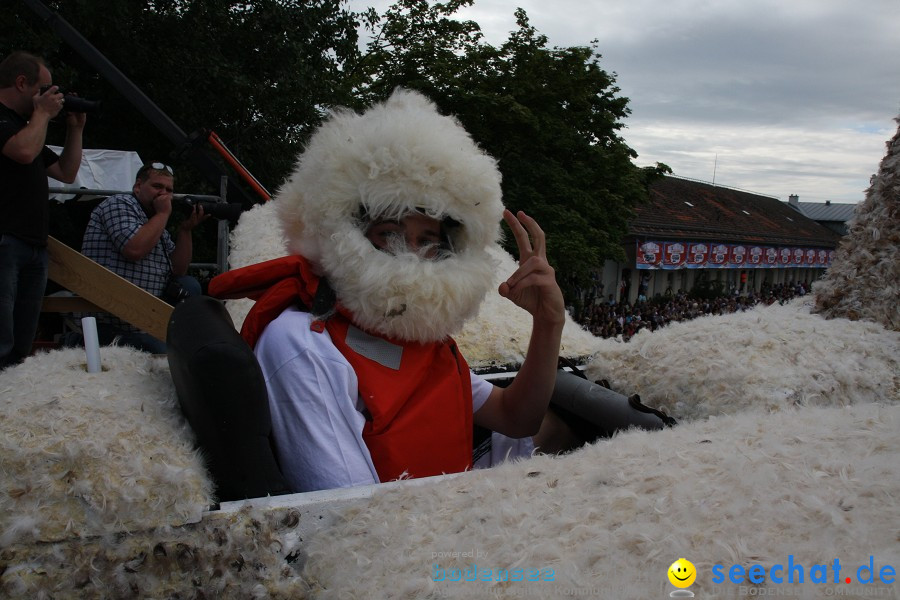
[152,185]
[414,233]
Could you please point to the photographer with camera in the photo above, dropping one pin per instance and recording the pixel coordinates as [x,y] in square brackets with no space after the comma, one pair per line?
[25,163]
[127,235]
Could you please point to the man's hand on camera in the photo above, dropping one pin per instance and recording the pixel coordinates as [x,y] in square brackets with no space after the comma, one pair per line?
[50,102]
[197,217]
[75,119]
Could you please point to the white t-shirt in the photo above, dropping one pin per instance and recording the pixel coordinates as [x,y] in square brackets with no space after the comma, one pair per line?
[317,414]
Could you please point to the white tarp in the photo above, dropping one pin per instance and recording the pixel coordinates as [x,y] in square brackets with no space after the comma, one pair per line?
[101,170]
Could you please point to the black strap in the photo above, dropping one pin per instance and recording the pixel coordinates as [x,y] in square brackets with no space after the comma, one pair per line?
[568,362]
[481,442]
[324,302]
[634,401]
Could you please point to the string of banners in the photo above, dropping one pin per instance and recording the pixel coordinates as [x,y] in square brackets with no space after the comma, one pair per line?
[712,255]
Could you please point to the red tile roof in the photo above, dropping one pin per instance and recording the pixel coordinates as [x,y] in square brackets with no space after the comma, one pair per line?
[681,209]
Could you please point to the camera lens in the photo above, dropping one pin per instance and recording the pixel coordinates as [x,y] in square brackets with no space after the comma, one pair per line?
[221,210]
[80,105]
[218,210]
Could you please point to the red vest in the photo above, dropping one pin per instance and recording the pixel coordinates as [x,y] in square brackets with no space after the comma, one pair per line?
[419,399]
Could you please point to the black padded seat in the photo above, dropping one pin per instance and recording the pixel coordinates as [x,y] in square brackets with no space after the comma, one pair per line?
[223,396]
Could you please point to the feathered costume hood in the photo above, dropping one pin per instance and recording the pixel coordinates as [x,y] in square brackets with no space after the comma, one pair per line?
[395,158]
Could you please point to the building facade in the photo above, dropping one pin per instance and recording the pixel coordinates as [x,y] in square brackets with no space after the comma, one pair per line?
[690,232]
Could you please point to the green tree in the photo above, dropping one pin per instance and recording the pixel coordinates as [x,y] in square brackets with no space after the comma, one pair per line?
[551,116]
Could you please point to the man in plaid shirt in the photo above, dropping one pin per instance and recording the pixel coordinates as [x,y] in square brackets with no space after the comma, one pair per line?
[127,235]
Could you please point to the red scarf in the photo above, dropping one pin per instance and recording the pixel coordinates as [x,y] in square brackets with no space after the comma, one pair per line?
[420,414]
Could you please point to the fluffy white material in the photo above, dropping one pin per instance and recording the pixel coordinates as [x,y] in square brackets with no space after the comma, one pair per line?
[864,281]
[751,488]
[771,357]
[90,453]
[395,158]
[256,238]
[787,446]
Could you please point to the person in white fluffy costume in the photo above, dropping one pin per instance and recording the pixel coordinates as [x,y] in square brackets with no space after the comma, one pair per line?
[389,216]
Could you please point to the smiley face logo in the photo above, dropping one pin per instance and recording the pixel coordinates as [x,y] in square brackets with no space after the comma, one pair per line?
[682,573]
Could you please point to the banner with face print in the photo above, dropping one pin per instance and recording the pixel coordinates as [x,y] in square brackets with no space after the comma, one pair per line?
[738,256]
[754,256]
[674,255]
[649,255]
[718,256]
[661,254]
[697,255]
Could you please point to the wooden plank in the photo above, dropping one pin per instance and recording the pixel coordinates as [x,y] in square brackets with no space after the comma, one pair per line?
[65,304]
[111,293]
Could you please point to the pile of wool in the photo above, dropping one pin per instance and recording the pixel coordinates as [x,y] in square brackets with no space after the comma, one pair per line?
[497,337]
[864,279]
[748,485]
[817,484]
[242,554]
[91,453]
[607,521]
[786,446]
[103,495]
[774,357]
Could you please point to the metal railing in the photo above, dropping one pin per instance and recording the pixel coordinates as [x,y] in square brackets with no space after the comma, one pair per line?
[222,248]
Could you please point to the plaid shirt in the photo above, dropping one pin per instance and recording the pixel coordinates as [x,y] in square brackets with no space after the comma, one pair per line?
[113,222]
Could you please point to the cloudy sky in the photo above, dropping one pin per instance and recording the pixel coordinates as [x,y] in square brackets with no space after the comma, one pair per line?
[776,97]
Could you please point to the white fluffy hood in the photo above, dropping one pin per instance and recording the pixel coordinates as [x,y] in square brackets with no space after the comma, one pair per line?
[394,158]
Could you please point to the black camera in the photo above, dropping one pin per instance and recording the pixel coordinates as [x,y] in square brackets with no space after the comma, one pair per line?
[174,292]
[219,210]
[74,104]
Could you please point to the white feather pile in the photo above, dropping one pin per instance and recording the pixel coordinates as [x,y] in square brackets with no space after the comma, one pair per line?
[499,335]
[744,489]
[750,488]
[864,281]
[91,453]
[771,357]
[256,238]
[234,555]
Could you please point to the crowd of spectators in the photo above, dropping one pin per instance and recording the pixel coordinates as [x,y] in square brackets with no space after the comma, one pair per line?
[609,318]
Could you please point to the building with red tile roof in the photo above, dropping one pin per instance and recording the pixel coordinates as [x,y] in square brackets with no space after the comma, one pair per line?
[688,231]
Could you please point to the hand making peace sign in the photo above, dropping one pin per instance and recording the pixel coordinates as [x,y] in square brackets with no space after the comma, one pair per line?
[533,285]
